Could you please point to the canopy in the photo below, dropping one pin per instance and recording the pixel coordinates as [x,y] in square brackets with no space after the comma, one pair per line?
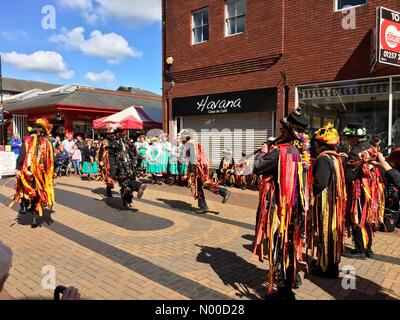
[131,118]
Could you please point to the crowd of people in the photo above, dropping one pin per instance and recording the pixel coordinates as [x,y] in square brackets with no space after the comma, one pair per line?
[310,195]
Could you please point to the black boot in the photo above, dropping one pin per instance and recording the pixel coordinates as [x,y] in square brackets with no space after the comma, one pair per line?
[158,180]
[354,254]
[24,207]
[203,207]
[109,193]
[34,223]
[225,193]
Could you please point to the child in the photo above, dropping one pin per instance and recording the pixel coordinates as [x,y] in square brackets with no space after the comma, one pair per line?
[141,148]
[76,157]
[183,161]
[152,157]
[173,161]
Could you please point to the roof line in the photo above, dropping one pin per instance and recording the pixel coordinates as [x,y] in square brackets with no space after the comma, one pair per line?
[120,93]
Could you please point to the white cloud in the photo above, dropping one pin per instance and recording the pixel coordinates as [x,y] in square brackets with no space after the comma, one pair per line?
[76,4]
[39,61]
[111,46]
[106,77]
[134,12]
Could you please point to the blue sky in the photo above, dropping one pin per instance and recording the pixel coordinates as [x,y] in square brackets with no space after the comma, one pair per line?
[100,43]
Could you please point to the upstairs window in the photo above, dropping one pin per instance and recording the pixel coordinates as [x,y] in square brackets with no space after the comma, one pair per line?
[235,12]
[200,29]
[340,4]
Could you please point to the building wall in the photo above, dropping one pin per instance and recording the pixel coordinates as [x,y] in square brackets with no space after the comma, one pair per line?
[310,35]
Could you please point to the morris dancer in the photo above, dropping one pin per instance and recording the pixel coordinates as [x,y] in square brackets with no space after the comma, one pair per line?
[123,166]
[365,189]
[35,172]
[329,209]
[199,173]
[107,163]
[284,190]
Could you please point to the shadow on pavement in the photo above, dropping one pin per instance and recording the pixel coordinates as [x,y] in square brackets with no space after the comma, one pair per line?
[234,271]
[106,210]
[182,206]
[26,219]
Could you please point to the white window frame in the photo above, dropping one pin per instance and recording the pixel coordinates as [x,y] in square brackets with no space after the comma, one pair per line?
[336,6]
[235,17]
[201,26]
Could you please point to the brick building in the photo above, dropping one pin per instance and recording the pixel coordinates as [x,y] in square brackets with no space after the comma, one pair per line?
[244,64]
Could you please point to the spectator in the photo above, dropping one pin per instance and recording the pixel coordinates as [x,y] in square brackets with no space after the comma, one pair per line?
[5,266]
[76,159]
[89,159]
[63,154]
[68,143]
[16,144]
[80,143]
[57,143]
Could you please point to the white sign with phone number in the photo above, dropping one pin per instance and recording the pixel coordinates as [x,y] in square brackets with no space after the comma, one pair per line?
[7,164]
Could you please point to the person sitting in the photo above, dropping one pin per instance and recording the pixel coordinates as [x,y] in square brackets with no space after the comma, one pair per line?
[226,172]
[62,160]
[5,266]
[243,172]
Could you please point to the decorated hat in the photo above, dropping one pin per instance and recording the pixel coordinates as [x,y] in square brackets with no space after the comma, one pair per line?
[43,125]
[327,135]
[355,130]
[295,121]
[394,158]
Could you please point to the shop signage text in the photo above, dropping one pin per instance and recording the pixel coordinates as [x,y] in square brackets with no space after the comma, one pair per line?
[258,100]
[220,106]
[389,36]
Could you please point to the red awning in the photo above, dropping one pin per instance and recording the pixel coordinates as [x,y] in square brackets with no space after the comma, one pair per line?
[131,118]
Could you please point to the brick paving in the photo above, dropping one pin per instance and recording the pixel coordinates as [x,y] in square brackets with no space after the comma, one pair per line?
[160,249]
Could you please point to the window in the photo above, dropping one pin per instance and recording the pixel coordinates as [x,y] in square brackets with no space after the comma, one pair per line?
[340,4]
[200,26]
[235,16]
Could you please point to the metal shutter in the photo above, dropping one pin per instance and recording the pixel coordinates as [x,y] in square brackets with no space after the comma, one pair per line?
[245,131]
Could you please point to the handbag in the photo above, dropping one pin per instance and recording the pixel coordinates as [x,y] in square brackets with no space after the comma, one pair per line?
[390,218]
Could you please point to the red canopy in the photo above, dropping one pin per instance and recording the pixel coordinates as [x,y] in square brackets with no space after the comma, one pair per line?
[131,118]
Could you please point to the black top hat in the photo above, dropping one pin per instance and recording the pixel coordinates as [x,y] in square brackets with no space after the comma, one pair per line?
[295,120]
[355,130]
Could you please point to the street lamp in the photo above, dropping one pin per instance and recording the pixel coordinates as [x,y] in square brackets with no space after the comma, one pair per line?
[2,119]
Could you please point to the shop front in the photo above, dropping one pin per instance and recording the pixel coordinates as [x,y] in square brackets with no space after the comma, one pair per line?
[239,121]
[374,102]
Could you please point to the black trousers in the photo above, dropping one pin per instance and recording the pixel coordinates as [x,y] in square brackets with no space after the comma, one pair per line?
[358,239]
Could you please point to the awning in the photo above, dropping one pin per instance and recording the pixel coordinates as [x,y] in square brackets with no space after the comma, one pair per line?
[133,118]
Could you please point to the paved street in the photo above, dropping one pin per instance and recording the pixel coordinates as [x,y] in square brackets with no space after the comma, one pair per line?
[160,249]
